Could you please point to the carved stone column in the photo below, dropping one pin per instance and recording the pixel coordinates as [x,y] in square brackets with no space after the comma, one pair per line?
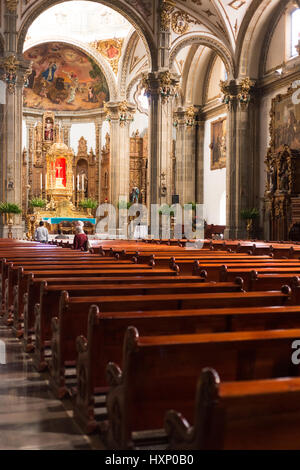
[66,127]
[241,168]
[199,164]
[119,115]
[185,123]
[98,131]
[14,71]
[160,88]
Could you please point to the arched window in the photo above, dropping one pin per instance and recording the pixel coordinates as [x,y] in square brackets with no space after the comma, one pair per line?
[295,30]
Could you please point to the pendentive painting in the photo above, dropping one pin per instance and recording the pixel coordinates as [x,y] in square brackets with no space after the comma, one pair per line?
[218,144]
[285,122]
[63,78]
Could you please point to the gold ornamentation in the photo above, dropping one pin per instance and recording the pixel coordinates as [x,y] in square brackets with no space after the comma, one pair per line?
[167,8]
[11,5]
[244,96]
[111,49]
[190,116]
[10,65]
[180,22]
[124,114]
[228,98]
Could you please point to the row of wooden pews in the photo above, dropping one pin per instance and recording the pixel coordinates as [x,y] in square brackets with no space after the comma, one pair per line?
[161,346]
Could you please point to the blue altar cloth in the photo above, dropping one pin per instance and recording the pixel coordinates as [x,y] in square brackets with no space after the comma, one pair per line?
[57,220]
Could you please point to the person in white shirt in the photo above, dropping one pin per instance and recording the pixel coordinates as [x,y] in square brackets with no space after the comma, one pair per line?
[41,233]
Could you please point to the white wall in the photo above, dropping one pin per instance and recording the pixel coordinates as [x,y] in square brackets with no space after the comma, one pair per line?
[86,130]
[214,184]
[140,123]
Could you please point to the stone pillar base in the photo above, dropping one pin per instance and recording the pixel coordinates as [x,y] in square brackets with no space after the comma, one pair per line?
[17,231]
[235,233]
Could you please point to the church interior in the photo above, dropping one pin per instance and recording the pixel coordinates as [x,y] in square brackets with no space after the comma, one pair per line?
[165,136]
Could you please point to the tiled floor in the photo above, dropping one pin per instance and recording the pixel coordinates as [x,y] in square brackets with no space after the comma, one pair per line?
[30,416]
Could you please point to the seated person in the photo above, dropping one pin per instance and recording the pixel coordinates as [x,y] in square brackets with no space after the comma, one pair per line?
[61,236]
[41,233]
[80,239]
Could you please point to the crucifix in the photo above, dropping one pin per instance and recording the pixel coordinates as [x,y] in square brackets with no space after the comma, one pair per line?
[59,168]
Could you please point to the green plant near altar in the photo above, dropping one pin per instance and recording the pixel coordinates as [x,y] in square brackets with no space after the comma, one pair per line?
[124,205]
[38,202]
[88,203]
[165,210]
[249,215]
[9,208]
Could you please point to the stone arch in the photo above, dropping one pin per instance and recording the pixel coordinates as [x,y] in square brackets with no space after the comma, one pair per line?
[255,34]
[123,8]
[208,41]
[124,66]
[96,56]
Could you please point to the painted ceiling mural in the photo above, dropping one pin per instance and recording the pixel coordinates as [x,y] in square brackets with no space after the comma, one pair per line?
[63,78]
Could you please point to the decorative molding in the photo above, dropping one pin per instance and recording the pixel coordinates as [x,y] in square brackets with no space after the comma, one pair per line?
[111,49]
[11,5]
[207,41]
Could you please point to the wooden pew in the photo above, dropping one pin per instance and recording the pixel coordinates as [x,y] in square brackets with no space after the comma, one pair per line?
[245,415]
[33,293]
[148,386]
[16,279]
[106,331]
[228,273]
[272,281]
[50,296]
[73,315]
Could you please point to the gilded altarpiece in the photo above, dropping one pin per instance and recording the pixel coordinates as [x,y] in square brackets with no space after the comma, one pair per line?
[282,194]
[138,166]
[138,158]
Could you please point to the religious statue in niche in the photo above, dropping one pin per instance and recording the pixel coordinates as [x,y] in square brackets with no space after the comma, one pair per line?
[218,144]
[48,132]
[134,195]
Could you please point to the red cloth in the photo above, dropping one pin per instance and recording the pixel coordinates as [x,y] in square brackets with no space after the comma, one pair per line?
[80,240]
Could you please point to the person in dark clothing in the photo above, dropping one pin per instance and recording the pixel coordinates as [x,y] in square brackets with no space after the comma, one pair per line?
[80,239]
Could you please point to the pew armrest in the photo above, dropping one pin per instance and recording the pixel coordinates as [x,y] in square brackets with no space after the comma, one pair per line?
[113,374]
[177,429]
[81,344]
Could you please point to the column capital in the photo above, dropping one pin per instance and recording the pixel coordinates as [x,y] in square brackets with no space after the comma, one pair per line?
[120,111]
[186,116]
[163,83]
[237,91]
[15,71]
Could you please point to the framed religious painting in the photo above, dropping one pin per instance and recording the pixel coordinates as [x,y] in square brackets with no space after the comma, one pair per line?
[285,122]
[218,144]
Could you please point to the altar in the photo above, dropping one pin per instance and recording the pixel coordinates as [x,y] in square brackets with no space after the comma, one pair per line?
[62,204]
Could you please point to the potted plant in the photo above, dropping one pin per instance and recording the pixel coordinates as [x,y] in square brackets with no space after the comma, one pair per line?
[89,204]
[9,208]
[124,205]
[38,203]
[249,215]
